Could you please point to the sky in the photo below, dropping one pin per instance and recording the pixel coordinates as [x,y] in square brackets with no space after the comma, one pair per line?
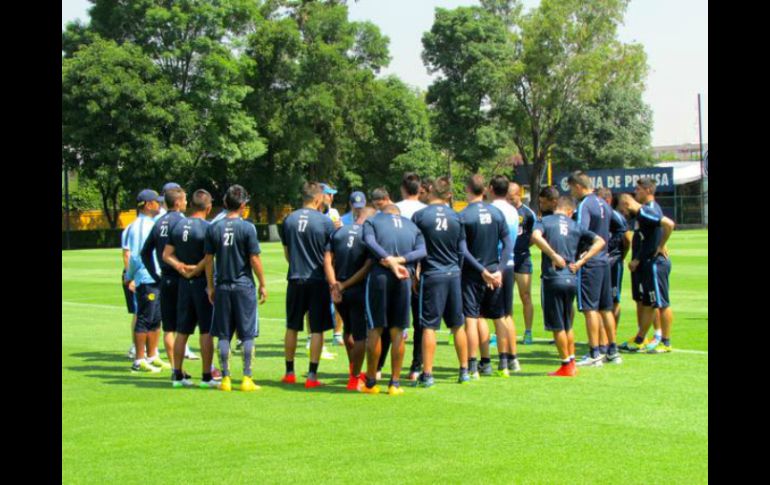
[674,35]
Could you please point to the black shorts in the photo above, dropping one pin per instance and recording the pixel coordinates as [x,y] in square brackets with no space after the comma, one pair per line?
[480,301]
[522,263]
[595,287]
[387,300]
[193,307]
[440,297]
[654,277]
[309,296]
[509,282]
[130,297]
[235,311]
[616,277]
[147,308]
[169,293]
[636,285]
[557,297]
[352,311]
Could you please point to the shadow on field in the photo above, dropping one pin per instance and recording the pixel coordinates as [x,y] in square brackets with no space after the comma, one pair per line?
[101,357]
[133,379]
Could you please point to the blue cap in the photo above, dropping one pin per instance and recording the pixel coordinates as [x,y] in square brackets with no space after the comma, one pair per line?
[148,195]
[169,186]
[328,190]
[358,200]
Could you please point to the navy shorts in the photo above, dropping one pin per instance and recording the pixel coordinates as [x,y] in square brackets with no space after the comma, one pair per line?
[595,287]
[387,300]
[147,308]
[169,292]
[509,283]
[481,302]
[616,278]
[557,297]
[309,297]
[522,263]
[130,297]
[636,285]
[235,311]
[193,307]
[440,297]
[654,276]
[351,310]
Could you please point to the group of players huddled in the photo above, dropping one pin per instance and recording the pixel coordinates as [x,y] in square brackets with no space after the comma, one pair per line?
[380,266]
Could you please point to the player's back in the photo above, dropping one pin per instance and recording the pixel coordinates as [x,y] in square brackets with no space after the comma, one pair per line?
[396,234]
[618,228]
[650,231]
[305,233]
[564,235]
[188,238]
[161,232]
[484,227]
[232,241]
[527,219]
[594,214]
[350,254]
[636,239]
[442,230]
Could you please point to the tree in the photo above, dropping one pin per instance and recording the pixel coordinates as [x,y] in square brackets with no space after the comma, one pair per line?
[116,107]
[612,131]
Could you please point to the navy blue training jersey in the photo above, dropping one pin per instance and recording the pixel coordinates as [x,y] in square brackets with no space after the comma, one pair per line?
[443,230]
[565,236]
[636,239]
[232,241]
[305,233]
[350,254]
[527,219]
[189,238]
[594,214]
[618,229]
[647,225]
[157,240]
[485,227]
[396,235]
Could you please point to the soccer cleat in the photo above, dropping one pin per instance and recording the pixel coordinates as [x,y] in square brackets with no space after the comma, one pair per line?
[157,362]
[563,371]
[475,376]
[337,339]
[352,383]
[660,349]
[143,366]
[414,376]
[226,384]
[395,391]
[212,384]
[378,375]
[132,352]
[181,383]
[216,374]
[588,361]
[238,347]
[650,347]
[190,355]
[514,366]
[247,385]
[425,382]
[464,378]
[486,370]
[528,338]
[289,379]
[370,390]
[503,372]
[631,346]
[493,341]
[310,384]
[614,358]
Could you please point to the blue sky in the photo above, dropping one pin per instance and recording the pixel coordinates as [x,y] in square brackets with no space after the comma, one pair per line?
[674,35]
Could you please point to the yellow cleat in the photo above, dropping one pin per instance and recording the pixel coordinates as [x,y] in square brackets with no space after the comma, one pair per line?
[395,391]
[370,390]
[247,385]
[157,362]
[226,384]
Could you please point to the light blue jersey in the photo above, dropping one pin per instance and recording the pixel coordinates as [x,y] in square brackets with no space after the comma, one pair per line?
[219,216]
[134,238]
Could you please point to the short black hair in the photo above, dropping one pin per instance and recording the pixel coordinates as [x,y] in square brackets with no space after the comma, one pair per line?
[172,195]
[235,196]
[647,183]
[310,191]
[549,192]
[578,177]
[475,184]
[411,183]
[426,183]
[380,193]
[201,199]
[442,188]
[499,184]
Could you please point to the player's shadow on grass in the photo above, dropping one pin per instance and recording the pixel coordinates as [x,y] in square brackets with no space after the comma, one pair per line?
[101,356]
[331,386]
[137,380]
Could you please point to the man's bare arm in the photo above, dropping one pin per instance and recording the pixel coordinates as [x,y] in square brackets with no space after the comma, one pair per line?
[358,277]
[256,266]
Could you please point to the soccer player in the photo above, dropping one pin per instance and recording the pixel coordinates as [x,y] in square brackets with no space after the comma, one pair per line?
[485,228]
[617,248]
[425,186]
[334,215]
[559,237]
[440,293]
[146,331]
[232,245]
[380,200]
[594,294]
[357,200]
[304,234]
[522,268]
[185,253]
[653,267]
[128,287]
[547,198]
[498,191]
[397,244]
[346,264]
[410,203]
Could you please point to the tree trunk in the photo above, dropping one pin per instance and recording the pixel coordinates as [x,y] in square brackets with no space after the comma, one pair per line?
[106,203]
[272,228]
[535,176]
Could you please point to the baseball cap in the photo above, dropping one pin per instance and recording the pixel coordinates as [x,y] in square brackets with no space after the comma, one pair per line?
[169,186]
[358,200]
[328,189]
[148,195]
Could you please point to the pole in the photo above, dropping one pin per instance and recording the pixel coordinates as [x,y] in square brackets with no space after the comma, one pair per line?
[66,205]
[550,173]
[702,177]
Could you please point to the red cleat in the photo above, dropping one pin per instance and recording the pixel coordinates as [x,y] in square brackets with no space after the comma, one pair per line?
[216,374]
[352,383]
[289,379]
[311,384]
[362,376]
[564,371]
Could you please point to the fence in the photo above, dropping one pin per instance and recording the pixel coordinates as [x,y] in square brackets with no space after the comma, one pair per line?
[685,210]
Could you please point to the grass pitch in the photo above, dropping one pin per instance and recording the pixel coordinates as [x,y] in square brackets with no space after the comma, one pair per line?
[645,421]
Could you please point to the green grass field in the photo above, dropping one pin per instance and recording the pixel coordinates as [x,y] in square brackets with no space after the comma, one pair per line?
[645,421]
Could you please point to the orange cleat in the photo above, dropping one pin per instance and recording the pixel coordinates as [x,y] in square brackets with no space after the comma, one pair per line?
[563,371]
[352,383]
[289,379]
[311,384]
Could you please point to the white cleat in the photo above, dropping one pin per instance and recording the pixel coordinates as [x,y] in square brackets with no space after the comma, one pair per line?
[587,361]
